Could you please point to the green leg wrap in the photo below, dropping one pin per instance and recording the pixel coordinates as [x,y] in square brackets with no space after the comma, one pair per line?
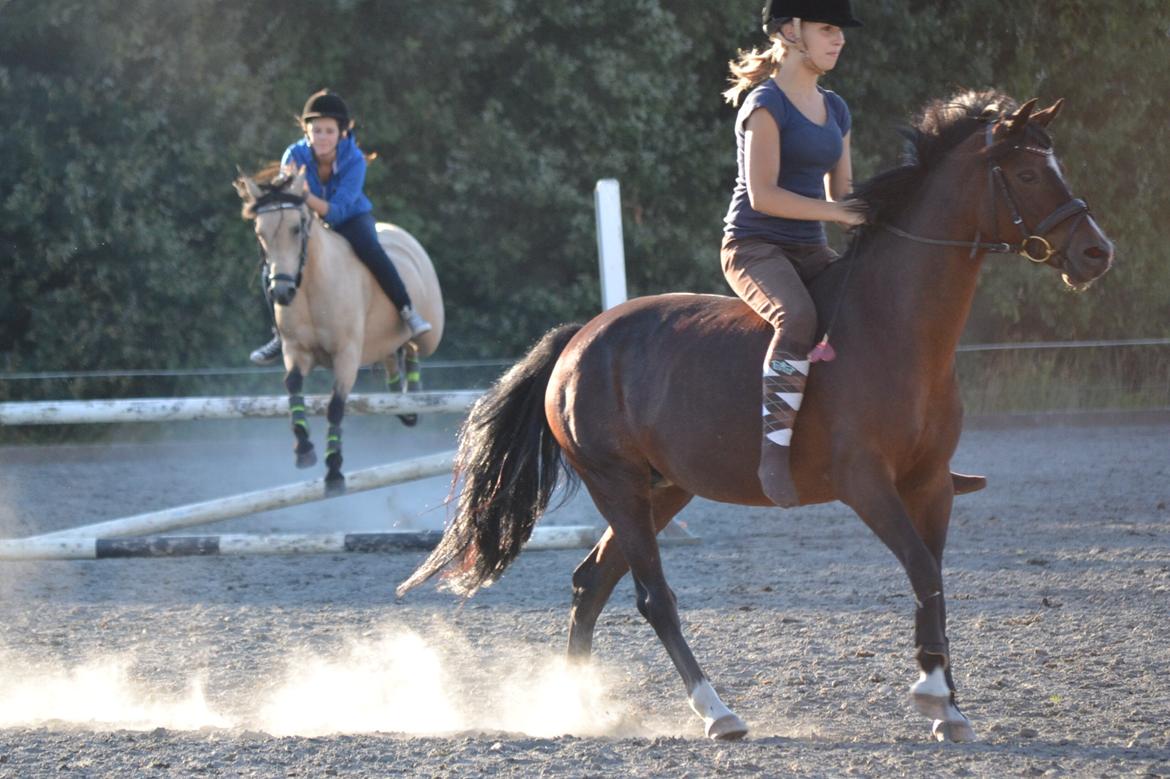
[413,372]
[296,407]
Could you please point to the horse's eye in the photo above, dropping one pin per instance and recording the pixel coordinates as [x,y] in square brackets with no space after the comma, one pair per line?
[1027,176]
[296,230]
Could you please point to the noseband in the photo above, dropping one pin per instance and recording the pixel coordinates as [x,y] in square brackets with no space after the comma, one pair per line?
[283,201]
[1033,244]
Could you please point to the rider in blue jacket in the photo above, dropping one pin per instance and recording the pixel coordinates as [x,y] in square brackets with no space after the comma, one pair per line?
[335,172]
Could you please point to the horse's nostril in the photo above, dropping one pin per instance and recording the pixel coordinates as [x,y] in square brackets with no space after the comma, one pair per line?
[1097,253]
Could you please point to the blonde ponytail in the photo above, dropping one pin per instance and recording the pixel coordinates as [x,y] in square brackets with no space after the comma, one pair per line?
[752,68]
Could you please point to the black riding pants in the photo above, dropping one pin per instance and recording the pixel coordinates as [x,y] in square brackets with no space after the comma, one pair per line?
[363,237]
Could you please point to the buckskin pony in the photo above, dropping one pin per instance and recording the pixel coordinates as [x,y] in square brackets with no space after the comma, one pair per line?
[657,400]
[329,309]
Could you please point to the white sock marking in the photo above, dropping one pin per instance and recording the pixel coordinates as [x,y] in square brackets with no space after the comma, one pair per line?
[706,703]
[933,684]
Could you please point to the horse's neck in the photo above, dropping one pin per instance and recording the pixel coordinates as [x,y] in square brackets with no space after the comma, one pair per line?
[329,254]
[925,292]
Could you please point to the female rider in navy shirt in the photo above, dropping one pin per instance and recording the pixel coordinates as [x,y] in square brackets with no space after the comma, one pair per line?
[792,139]
[335,172]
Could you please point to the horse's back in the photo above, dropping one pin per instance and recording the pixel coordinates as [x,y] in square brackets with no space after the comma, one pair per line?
[418,274]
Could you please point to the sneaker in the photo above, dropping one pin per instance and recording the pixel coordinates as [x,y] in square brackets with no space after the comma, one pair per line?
[268,353]
[414,322]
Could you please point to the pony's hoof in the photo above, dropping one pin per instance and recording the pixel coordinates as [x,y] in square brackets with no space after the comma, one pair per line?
[334,486]
[932,696]
[410,420]
[932,706]
[306,459]
[957,731]
[965,484]
[729,727]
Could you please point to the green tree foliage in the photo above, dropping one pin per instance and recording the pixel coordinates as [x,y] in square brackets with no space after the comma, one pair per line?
[120,238]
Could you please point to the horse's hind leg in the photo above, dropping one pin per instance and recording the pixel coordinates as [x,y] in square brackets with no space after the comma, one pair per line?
[598,574]
[396,371]
[396,380]
[622,497]
[412,366]
[303,448]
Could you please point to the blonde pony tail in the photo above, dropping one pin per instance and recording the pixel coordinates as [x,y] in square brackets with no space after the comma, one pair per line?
[751,68]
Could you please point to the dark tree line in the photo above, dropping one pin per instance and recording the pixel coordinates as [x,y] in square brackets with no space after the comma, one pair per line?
[120,239]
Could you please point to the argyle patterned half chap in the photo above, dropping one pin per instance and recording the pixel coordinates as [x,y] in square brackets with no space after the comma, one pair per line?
[784,378]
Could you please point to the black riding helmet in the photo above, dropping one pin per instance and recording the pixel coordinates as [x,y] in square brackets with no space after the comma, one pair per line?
[835,12]
[325,103]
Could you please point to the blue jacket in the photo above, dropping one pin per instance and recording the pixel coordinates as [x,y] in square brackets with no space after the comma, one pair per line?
[344,190]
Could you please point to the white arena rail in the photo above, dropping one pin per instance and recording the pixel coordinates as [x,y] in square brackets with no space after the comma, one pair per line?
[88,412]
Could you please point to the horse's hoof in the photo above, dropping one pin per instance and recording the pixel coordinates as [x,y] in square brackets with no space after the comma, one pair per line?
[334,486]
[932,695]
[306,459]
[935,707]
[729,727]
[957,731]
[965,484]
[410,420]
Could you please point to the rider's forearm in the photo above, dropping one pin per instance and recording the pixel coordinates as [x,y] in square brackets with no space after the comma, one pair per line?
[775,201]
[319,206]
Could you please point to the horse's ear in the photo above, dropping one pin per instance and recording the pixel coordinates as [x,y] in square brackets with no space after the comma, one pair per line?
[298,181]
[1020,118]
[246,187]
[1045,117]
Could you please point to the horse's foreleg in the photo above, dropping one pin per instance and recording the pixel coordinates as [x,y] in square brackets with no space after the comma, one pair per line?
[345,367]
[865,487]
[294,382]
[622,498]
[334,480]
[598,574]
[930,506]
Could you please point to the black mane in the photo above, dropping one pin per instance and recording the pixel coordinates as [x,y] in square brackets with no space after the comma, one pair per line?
[941,126]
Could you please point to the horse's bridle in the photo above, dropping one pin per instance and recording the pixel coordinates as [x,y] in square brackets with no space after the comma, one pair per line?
[276,200]
[1033,244]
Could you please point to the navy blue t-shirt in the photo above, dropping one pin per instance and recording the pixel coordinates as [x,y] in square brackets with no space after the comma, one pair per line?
[807,152]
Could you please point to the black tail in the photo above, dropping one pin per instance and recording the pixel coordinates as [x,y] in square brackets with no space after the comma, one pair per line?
[509,463]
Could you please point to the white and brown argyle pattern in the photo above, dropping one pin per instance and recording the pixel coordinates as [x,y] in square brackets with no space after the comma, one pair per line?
[784,378]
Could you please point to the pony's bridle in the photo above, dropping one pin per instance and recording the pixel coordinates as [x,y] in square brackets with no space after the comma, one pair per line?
[276,200]
[1033,244]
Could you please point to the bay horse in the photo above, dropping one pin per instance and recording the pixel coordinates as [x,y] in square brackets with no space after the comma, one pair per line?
[657,400]
[330,311]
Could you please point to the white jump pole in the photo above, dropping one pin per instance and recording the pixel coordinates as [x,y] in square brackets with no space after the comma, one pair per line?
[611,253]
[261,500]
[85,547]
[72,412]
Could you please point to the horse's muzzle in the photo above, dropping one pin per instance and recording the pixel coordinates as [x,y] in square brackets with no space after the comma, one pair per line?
[1088,256]
[282,292]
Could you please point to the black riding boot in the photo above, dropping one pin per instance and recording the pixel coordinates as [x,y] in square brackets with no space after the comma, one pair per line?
[269,352]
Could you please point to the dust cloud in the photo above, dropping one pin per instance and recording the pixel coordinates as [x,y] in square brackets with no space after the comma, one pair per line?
[388,680]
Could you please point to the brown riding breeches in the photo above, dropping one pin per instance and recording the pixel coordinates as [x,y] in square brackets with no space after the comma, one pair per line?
[773,279]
